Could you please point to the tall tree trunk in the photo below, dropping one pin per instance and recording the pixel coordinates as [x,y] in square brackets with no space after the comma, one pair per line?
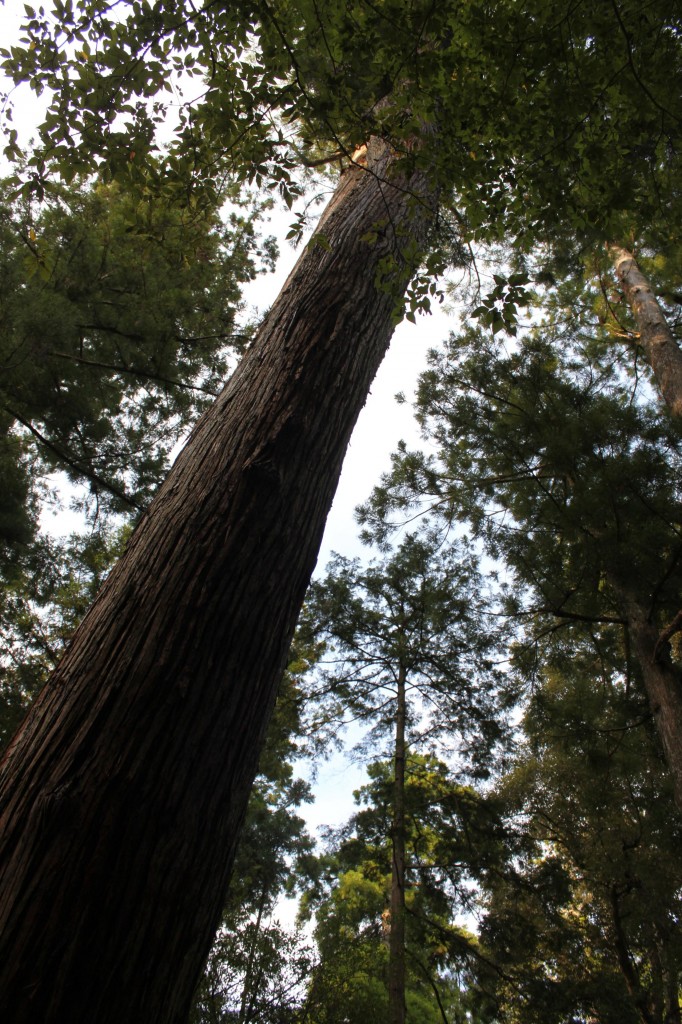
[632,981]
[396,948]
[662,681]
[673,1013]
[122,796]
[660,347]
[250,976]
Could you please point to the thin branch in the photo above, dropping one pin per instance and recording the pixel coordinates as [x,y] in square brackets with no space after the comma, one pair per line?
[82,470]
[635,72]
[135,373]
[427,974]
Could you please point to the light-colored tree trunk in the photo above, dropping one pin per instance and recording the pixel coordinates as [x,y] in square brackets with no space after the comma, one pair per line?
[396,948]
[122,796]
[662,680]
[660,347]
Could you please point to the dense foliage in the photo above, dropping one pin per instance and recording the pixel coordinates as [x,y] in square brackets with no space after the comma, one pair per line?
[540,887]
[119,323]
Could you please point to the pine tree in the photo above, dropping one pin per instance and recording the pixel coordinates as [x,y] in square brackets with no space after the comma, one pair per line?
[183,648]
[449,831]
[580,914]
[410,652]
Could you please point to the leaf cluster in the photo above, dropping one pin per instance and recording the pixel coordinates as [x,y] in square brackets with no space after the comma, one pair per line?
[557,119]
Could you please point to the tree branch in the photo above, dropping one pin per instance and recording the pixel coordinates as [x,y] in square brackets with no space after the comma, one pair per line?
[85,471]
[135,373]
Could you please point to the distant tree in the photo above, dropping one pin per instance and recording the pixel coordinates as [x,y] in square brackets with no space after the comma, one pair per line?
[570,474]
[453,103]
[448,830]
[410,652]
[582,915]
[255,974]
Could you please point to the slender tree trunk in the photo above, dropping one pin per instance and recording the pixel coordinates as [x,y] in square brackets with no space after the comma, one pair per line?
[122,796]
[249,979]
[396,948]
[662,681]
[660,347]
[673,1013]
[632,982]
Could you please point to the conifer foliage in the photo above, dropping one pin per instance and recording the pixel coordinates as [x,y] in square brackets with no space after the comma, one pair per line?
[531,123]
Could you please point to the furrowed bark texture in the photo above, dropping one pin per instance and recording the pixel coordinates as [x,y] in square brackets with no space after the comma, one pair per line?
[660,347]
[122,796]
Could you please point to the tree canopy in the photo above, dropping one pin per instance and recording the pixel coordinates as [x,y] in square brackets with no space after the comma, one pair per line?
[120,319]
[574,110]
[551,136]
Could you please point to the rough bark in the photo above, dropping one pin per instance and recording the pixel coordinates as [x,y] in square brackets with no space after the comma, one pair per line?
[122,796]
[396,946]
[660,347]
